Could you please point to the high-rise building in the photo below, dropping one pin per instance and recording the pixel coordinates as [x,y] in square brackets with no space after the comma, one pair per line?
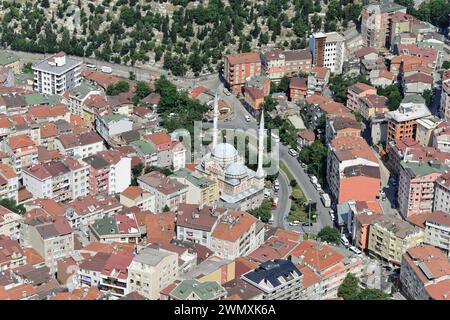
[328,50]
[240,67]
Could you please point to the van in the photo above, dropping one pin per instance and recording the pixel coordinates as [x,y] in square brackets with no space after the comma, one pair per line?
[106,69]
[275,137]
[344,240]
[91,66]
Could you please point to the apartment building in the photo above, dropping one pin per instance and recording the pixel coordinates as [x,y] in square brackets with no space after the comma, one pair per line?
[85,210]
[196,224]
[425,129]
[60,180]
[376,23]
[10,223]
[400,23]
[417,83]
[169,152]
[22,152]
[57,74]
[79,94]
[437,230]
[425,273]
[357,91]
[328,50]
[113,277]
[135,196]
[237,234]
[112,124]
[201,190]
[168,191]
[10,60]
[9,183]
[328,264]
[416,186]
[277,279]
[345,152]
[146,152]
[151,271]
[51,237]
[278,63]
[390,237]
[372,105]
[194,290]
[402,122]
[440,137]
[240,67]
[79,146]
[442,193]
[121,227]
[340,126]
[445,96]
[298,89]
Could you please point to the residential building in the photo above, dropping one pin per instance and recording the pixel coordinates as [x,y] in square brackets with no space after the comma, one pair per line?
[305,138]
[318,79]
[201,190]
[425,274]
[194,290]
[440,138]
[79,146]
[79,94]
[9,183]
[22,152]
[381,78]
[10,60]
[298,89]
[417,83]
[442,193]
[416,186]
[60,180]
[347,152]
[146,152]
[57,74]
[112,124]
[51,237]
[12,255]
[355,176]
[328,264]
[376,23]
[240,67]
[151,271]
[437,230]
[402,122]
[134,196]
[278,63]
[357,91]
[328,50]
[445,96]
[372,105]
[340,126]
[236,235]
[169,152]
[390,237]
[277,279]
[425,128]
[10,223]
[401,22]
[168,192]
[122,227]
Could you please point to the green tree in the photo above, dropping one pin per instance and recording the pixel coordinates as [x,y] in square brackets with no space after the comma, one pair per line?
[264,212]
[329,234]
[446,64]
[137,169]
[393,94]
[349,288]
[427,96]
[13,206]
[372,294]
[166,208]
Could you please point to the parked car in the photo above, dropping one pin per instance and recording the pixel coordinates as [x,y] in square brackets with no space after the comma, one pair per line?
[293,152]
[307,224]
[226,91]
[355,250]
[276,185]
[106,69]
[247,118]
[294,223]
[344,240]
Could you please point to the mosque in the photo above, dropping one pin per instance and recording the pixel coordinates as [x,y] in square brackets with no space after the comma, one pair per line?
[240,187]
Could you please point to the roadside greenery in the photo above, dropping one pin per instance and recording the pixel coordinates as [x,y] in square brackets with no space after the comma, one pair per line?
[329,234]
[340,83]
[351,290]
[264,212]
[13,206]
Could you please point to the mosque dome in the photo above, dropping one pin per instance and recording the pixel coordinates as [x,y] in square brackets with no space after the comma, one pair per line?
[236,170]
[224,151]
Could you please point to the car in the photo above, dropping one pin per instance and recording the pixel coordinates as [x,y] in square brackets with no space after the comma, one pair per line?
[344,240]
[294,223]
[247,118]
[293,152]
[307,224]
[355,250]
[332,216]
[276,185]
[226,91]
[303,165]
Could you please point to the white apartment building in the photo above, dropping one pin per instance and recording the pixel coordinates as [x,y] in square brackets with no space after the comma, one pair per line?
[60,180]
[79,146]
[57,74]
[9,183]
[442,193]
[437,230]
[445,95]
[328,50]
[151,271]
[134,196]
[112,124]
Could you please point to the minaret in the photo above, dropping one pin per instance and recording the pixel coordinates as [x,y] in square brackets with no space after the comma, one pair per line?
[215,120]
[260,171]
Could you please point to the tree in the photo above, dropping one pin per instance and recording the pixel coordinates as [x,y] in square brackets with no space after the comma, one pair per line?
[372,294]
[264,212]
[293,183]
[27,68]
[166,208]
[393,94]
[427,96]
[446,64]
[119,87]
[137,169]
[329,234]
[45,4]
[142,90]
[349,288]
[13,206]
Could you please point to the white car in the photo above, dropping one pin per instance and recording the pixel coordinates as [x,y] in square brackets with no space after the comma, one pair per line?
[247,118]
[344,240]
[355,250]
[293,152]
[332,216]
[225,90]
[294,223]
